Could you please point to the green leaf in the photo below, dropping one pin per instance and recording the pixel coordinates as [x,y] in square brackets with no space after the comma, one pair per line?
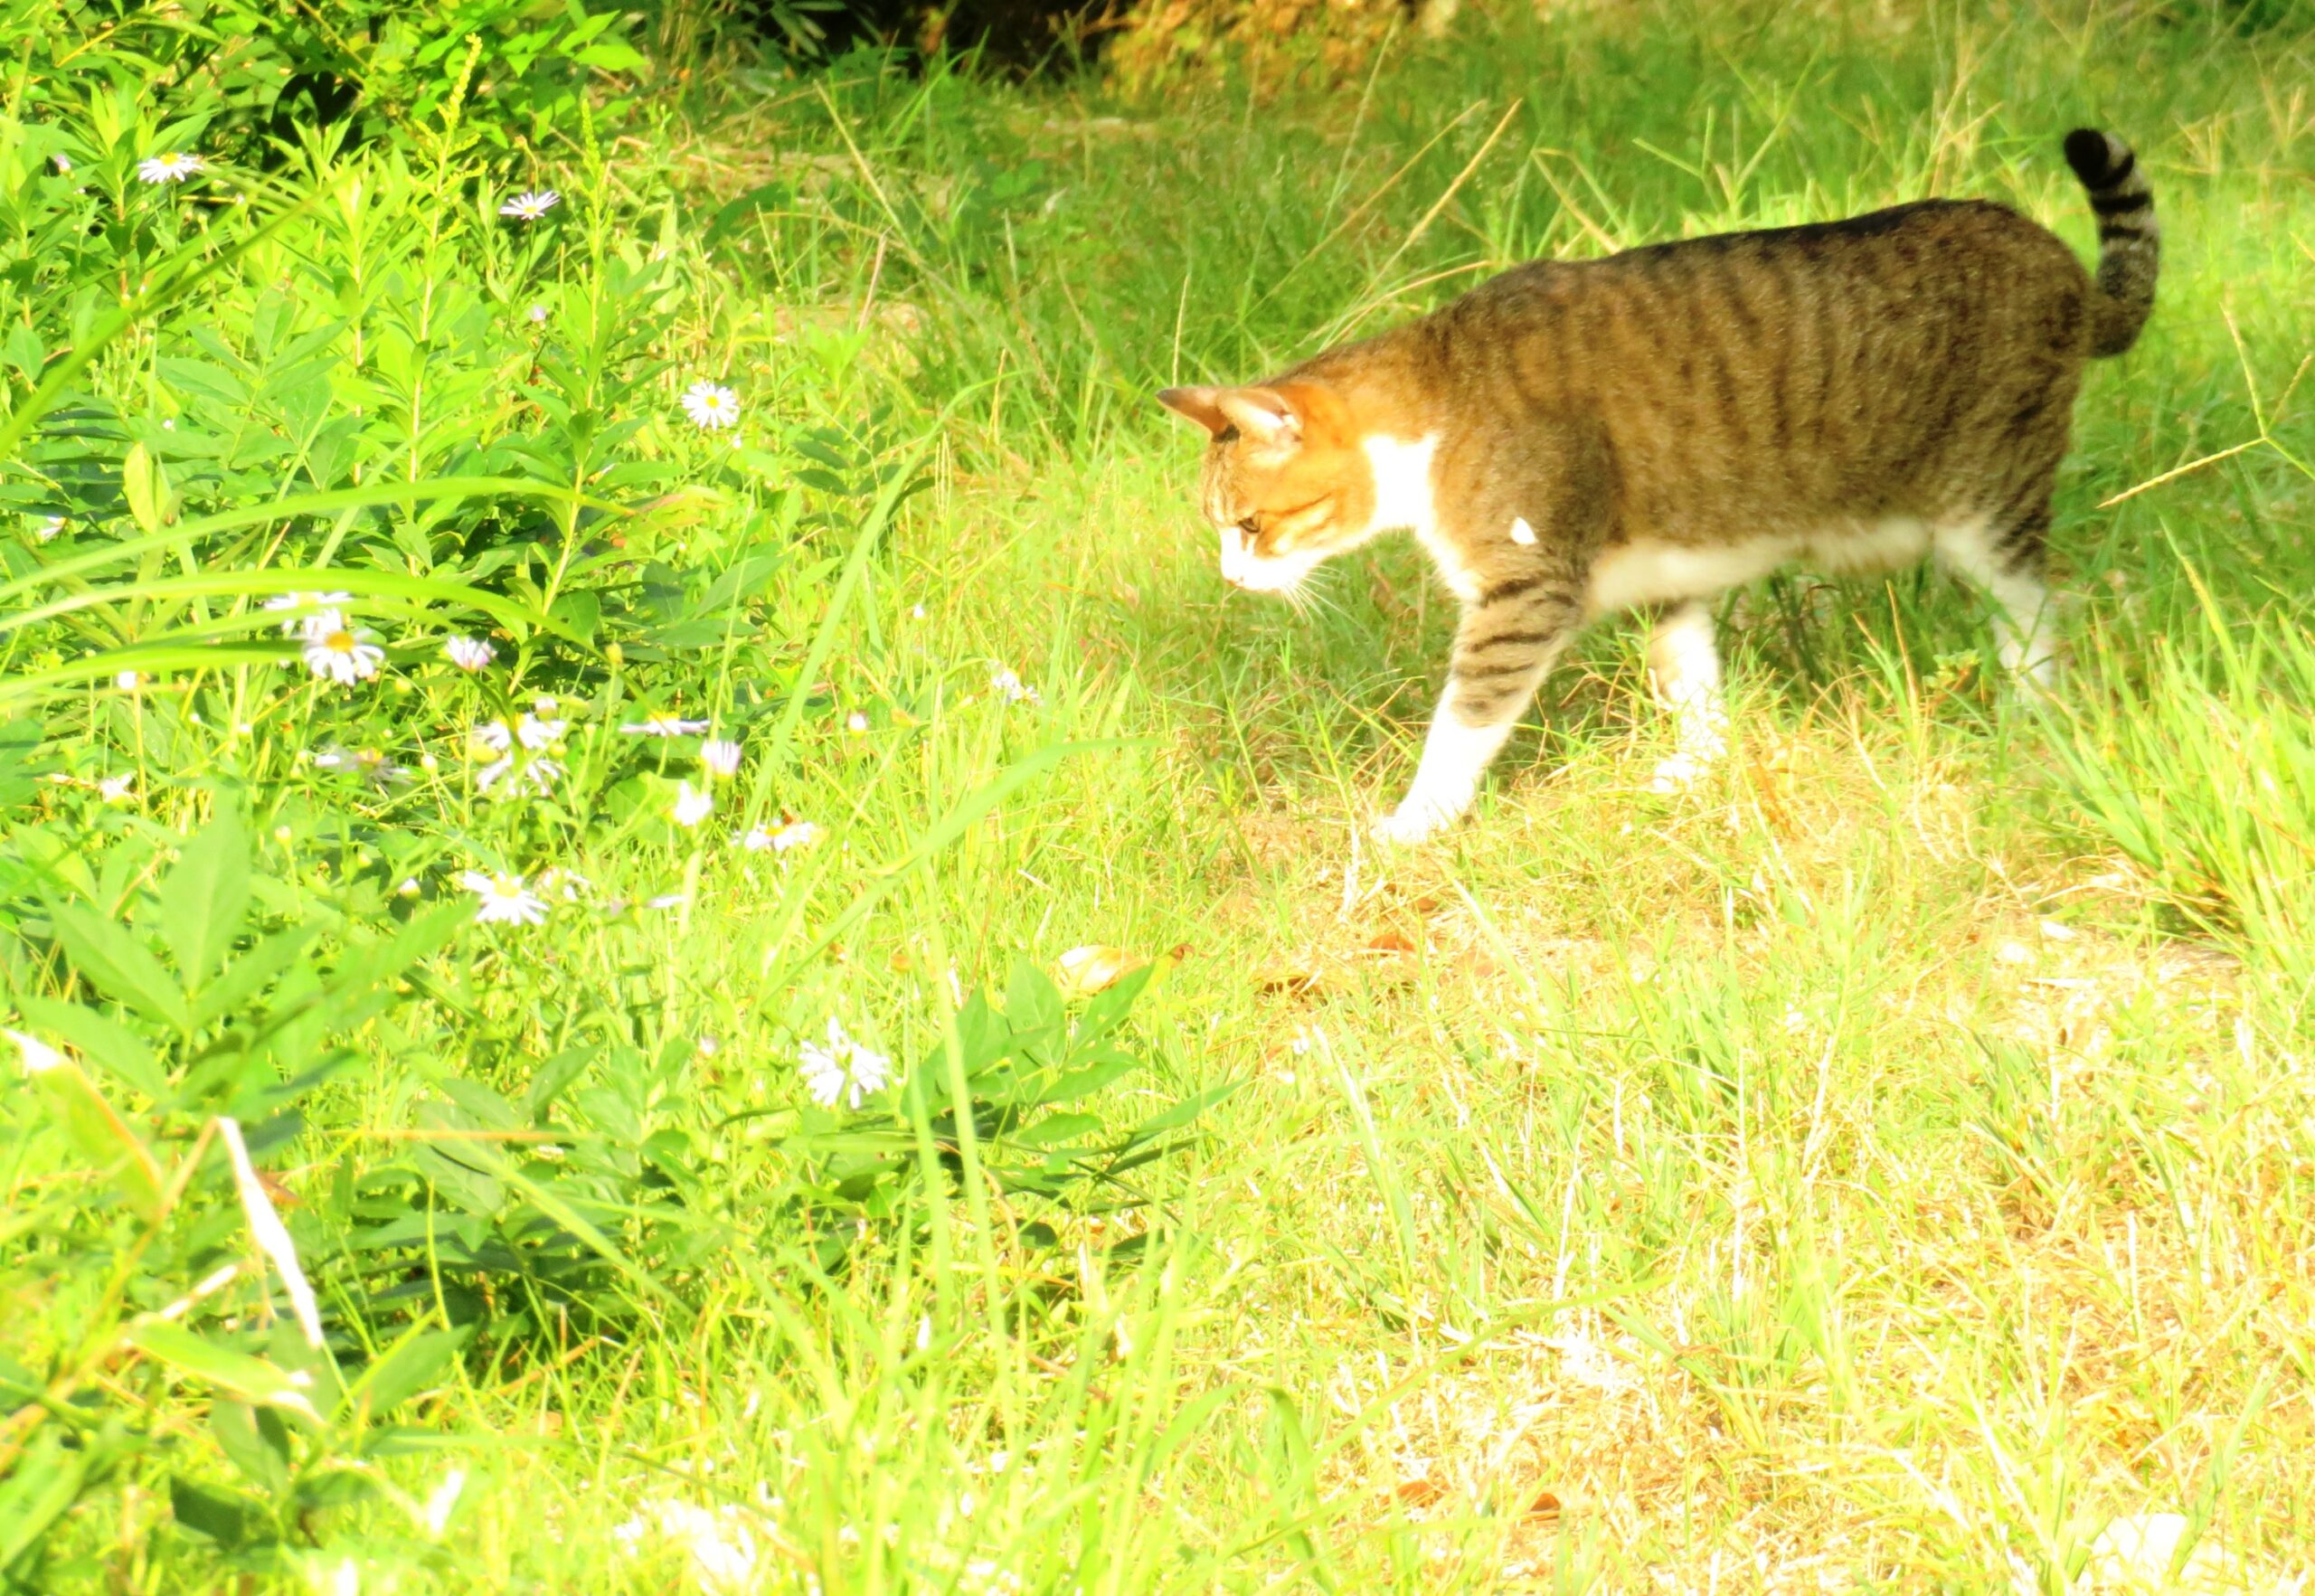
[228,1517]
[112,960]
[468,1171]
[1108,1009]
[103,1137]
[549,1080]
[411,1366]
[101,1039]
[1032,1002]
[36,1493]
[145,487]
[1182,1112]
[252,1379]
[1084,1082]
[253,971]
[19,741]
[253,1441]
[204,897]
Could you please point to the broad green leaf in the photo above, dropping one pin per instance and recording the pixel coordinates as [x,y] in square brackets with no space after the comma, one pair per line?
[228,1517]
[252,972]
[1032,1002]
[103,1137]
[549,1080]
[253,1441]
[1108,1009]
[37,1492]
[102,1040]
[112,958]
[466,1168]
[143,484]
[551,1203]
[411,1366]
[490,1111]
[203,898]
[252,1379]
[19,741]
[1084,1082]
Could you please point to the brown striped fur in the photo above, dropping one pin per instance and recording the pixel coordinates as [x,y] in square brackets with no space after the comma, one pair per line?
[1647,429]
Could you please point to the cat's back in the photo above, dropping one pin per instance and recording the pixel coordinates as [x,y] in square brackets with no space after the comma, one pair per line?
[1785,371]
[1922,260]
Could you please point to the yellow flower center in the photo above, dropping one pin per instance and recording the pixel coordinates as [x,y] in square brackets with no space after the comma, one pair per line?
[339,642]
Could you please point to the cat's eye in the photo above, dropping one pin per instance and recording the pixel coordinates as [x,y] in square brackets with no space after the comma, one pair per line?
[1252,525]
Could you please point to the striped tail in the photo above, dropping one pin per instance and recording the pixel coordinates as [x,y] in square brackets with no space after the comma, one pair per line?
[2129,240]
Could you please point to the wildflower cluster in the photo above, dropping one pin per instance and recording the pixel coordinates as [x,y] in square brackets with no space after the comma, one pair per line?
[843,1070]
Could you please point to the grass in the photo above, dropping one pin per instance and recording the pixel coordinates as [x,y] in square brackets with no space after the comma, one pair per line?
[1887,1166]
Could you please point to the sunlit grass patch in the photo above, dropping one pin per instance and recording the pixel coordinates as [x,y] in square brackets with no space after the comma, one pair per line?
[705,982]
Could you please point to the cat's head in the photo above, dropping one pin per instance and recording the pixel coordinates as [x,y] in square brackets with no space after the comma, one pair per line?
[1286,483]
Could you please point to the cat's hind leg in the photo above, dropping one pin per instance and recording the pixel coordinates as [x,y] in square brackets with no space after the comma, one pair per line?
[1683,674]
[2003,553]
[1507,642]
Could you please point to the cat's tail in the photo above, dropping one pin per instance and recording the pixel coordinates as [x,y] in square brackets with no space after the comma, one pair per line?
[2129,240]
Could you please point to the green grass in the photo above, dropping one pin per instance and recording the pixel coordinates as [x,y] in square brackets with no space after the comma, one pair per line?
[1884,1167]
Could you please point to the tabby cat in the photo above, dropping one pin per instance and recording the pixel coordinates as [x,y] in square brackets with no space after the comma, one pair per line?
[1648,430]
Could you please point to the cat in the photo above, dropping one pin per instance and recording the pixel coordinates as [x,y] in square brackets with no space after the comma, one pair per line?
[1647,431]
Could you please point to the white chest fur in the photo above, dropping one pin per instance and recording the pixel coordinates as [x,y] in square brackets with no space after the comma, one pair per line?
[1403,498]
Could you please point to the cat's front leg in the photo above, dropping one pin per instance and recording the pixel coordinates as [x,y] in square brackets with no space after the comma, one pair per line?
[1506,641]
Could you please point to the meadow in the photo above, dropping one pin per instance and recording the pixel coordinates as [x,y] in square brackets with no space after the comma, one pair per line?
[661,931]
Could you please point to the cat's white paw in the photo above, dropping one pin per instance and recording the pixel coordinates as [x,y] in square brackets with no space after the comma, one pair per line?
[1408,824]
[1679,773]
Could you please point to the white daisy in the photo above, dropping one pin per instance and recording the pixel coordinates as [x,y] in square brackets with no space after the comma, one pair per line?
[303,605]
[497,736]
[856,722]
[711,406]
[721,755]
[531,204]
[691,806]
[168,169]
[843,1068]
[916,611]
[1014,689]
[129,680]
[47,530]
[337,650]
[468,654]
[504,900]
[115,790]
[537,774]
[664,726]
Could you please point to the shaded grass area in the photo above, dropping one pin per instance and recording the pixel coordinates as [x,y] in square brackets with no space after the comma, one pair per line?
[1884,1167]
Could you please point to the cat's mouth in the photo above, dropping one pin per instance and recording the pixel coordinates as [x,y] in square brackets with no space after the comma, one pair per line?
[1250,572]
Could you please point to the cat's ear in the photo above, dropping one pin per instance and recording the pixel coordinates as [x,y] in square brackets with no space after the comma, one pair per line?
[1266,416]
[1197,404]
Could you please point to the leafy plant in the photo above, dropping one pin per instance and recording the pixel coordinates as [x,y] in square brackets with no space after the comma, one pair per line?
[1003,1100]
[201,1004]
